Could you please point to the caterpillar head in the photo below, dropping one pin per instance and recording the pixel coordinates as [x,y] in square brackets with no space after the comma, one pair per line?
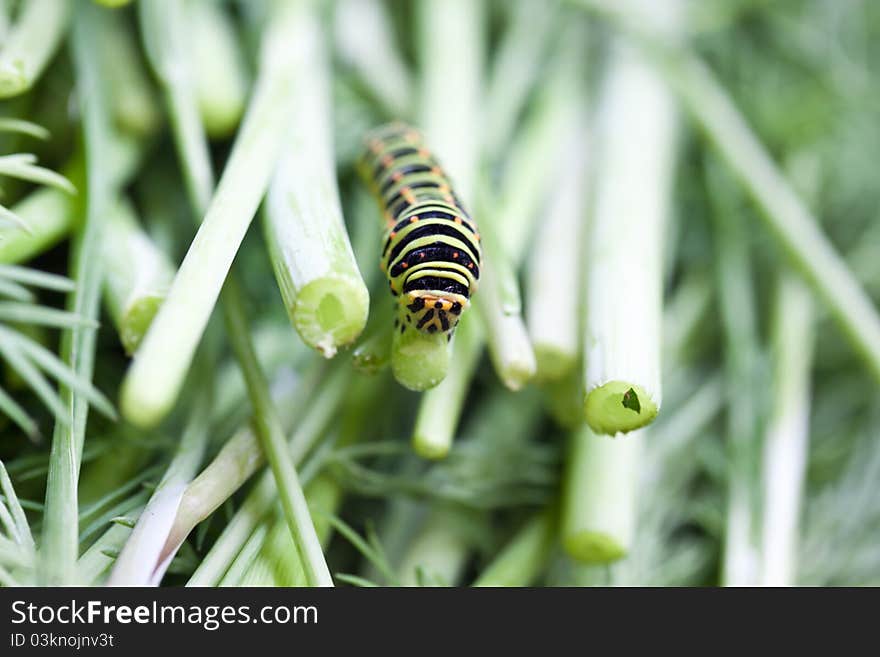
[432,311]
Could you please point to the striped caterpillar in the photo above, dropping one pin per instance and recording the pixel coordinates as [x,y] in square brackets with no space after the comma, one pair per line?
[431,249]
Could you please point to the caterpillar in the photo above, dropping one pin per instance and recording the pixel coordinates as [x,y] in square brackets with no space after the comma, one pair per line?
[431,248]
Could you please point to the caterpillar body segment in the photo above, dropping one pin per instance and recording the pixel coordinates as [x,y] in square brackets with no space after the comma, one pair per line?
[431,249]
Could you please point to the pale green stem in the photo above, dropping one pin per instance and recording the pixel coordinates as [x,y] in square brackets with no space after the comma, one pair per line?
[49,214]
[787,435]
[138,563]
[785,214]
[137,275]
[599,496]
[500,308]
[521,560]
[211,488]
[271,434]
[249,553]
[278,564]
[60,544]
[153,382]
[221,76]
[636,150]
[741,353]
[438,554]
[36,34]
[525,184]
[132,97]
[553,305]
[325,296]
[440,410]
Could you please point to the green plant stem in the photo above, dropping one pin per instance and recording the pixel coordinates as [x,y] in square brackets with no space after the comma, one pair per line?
[271,434]
[553,308]
[787,435]
[526,181]
[221,76]
[278,564]
[521,560]
[438,553]
[49,214]
[373,352]
[624,277]
[132,97]
[599,496]
[325,296]
[500,307]
[208,491]
[60,544]
[784,213]
[440,409]
[137,275]
[153,382]
[741,358]
[35,36]
[365,42]
[137,564]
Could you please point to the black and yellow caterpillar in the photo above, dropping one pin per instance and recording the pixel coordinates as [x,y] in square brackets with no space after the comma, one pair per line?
[431,250]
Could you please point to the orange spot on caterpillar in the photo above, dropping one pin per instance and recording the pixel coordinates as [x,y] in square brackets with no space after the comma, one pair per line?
[413,220]
[396,176]
[404,265]
[393,234]
[470,265]
[424,152]
[458,220]
[455,255]
[436,171]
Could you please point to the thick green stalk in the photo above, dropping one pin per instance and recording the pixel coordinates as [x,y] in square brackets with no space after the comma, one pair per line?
[553,306]
[221,479]
[221,77]
[278,564]
[137,275]
[137,564]
[523,189]
[787,435]
[785,214]
[60,544]
[636,134]
[500,307]
[325,296]
[49,214]
[33,39]
[438,554]
[153,382]
[599,496]
[132,97]
[440,410]
[521,560]
[741,358]
[268,428]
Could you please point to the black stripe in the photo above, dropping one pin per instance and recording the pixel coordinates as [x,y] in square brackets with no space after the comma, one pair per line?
[395,154]
[449,230]
[405,170]
[416,185]
[428,199]
[436,252]
[427,317]
[440,283]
